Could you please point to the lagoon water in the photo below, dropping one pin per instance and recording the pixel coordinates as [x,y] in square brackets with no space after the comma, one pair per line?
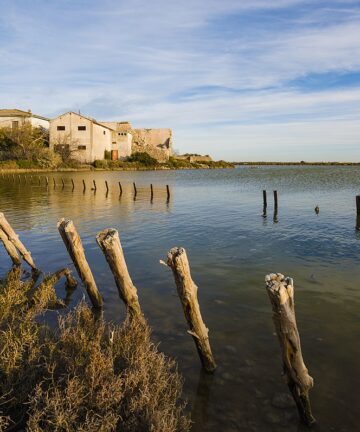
[217,216]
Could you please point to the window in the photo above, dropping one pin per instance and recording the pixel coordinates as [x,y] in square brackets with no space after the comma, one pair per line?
[81,127]
[104,132]
[60,128]
[15,124]
[61,147]
[81,147]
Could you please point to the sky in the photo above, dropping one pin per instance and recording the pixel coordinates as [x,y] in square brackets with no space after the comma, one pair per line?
[241,80]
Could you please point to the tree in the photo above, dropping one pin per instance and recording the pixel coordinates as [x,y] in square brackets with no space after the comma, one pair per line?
[66,147]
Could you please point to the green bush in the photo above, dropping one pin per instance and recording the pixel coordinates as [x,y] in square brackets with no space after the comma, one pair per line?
[8,164]
[100,163]
[142,158]
[25,163]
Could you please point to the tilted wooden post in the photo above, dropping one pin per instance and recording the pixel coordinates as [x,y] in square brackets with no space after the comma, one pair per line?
[187,290]
[120,187]
[281,294]
[135,190]
[107,187]
[168,192]
[74,246]
[10,248]
[14,239]
[84,185]
[109,242]
[73,184]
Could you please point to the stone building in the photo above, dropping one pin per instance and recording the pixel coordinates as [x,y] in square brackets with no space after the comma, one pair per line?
[121,139]
[87,139]
[14,118]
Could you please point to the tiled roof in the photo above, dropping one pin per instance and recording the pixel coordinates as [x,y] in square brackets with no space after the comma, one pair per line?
[19,113]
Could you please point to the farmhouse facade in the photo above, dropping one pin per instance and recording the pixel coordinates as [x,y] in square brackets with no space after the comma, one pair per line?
[14,118]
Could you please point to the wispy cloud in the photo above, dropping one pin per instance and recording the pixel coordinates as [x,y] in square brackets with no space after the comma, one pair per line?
[204,67]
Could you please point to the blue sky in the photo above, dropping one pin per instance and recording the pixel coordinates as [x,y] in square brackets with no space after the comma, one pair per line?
[239,79]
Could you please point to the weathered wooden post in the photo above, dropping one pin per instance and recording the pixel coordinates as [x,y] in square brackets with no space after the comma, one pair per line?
[281,294]
[107,187]
[94,185]
[73,184]
[275,201]
[358,205]
[187,290]
[135,190]
[151,192]
[109,242]
[54,182]
[14,239]
[75,249]
[10,248]
[120,187]
[47,181]
[84,185]
[168,192]
[264,201]
[39,180]
[63,183]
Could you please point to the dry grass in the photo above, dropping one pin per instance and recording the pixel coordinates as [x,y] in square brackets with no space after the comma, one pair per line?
[85,375]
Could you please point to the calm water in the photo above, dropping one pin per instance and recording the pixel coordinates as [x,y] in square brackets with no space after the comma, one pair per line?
[217,217]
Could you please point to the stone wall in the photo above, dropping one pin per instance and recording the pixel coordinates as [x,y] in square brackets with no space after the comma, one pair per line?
[156,142]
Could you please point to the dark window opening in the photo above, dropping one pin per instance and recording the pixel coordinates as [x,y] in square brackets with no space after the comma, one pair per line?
[60,147]
[81,127]
[104,132]
[82,147]
[15,124]
[61,128]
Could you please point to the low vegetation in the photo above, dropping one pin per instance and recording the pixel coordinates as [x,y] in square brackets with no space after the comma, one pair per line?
[83,374]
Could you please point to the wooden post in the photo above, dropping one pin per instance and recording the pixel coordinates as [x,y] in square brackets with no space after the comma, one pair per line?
[120,187]
[275,201]
[14,238]
[84,185]
[75,249]
[151,192]
[39,180]
[187,290]
[107,187]
[54,182]
[10,248]
[109,242]
[168,192]
[71,282]
[358,205]
[281,294]
[73,184]
[62,181]
[264,201]
[47,181]
[135,190]
[94,185]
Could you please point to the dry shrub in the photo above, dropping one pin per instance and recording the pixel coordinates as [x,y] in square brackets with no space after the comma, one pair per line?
[84,375]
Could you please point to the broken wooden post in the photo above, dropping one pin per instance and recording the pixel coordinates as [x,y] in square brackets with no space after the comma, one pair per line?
[73,184]
[94,185]
[75,249]
[187,290]
[281,294]
[168,192]
[109,242]
[84,185]
[358,205]
[151,192]
[14,239]
[107,187]
[10,248]
[120,187]
[135,190]
[275,201]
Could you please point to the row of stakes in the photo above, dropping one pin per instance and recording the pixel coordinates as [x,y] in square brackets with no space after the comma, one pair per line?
[94,188]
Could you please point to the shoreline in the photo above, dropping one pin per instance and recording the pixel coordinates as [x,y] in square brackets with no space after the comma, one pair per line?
[296,163]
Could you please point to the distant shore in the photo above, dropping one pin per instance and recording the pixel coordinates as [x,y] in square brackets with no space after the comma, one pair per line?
[299,163]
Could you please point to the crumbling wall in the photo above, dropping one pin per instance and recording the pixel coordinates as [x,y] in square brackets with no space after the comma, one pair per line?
[156,142]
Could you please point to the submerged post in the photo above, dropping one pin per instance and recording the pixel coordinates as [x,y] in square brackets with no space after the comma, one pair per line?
[168,192]
[135,190]
[107,187]
[62,181]
[54,182]
[120,187]
[73,184]
[10,248]
[14,239]
[264,200]
[109,242]
[281,294]
[94,185]
[47,181]
[187,290]
[275,201]
[358,205]
[75,249]
[151,192]
[84,185]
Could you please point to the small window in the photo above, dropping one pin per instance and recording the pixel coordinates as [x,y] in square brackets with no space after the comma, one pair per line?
[61,128]
[61,147]
[81,127]
[81,147]
[15,124]
[119,133]
[104,132]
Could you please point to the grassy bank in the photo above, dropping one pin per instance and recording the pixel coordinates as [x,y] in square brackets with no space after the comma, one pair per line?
[84,374]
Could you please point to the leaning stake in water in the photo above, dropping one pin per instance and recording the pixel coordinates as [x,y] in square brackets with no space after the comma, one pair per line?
[187,290]
[281,294]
